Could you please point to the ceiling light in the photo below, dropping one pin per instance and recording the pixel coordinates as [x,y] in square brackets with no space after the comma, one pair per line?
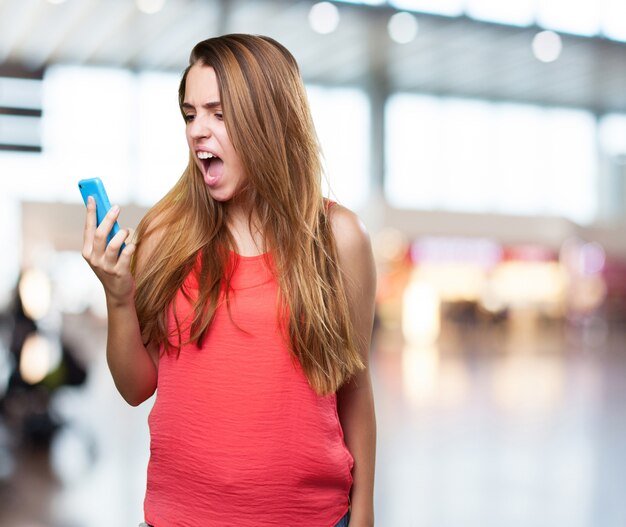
[547,46]
[56,2]
[324,17]
[150,6]
[402,27]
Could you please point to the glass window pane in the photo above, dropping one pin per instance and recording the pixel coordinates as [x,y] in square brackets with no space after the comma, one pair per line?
[20,93]
[20,130]
[341,119]
[475,156]
[414,145]
[465,160]
[517,170]
[87,130]
[162,152]
[571,164]
[613,134]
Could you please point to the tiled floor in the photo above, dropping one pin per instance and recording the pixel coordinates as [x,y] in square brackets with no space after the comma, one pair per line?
[520,425]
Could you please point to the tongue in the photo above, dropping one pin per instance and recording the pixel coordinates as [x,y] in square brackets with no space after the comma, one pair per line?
[216,167]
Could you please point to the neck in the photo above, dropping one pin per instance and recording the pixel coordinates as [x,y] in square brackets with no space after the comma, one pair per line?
[244,226]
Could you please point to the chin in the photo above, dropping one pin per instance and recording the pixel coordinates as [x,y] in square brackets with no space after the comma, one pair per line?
[221,195]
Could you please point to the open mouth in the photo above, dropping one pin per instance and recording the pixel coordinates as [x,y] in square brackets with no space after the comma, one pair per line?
[212,165]
[206,158]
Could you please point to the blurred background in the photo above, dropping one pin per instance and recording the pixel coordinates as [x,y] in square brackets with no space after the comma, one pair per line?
[483,143]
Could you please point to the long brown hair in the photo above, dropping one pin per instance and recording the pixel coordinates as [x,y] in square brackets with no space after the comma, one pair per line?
[269,123]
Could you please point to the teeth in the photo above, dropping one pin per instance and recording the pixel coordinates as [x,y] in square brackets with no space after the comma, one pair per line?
[205,155]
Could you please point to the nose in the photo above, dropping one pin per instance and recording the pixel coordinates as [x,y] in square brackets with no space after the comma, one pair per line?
[199,128]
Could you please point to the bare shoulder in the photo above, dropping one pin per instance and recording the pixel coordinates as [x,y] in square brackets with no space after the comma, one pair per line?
[351,236]
[356,264]
[354,248]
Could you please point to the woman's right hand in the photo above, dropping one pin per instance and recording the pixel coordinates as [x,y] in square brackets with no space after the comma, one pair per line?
[111,267]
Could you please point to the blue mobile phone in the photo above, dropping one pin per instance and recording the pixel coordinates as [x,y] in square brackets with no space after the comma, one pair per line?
[94,187]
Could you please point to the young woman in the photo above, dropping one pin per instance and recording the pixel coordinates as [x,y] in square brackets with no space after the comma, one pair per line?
[247,303]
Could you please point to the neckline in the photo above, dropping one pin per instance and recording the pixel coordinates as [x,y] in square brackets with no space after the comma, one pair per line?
[243,257]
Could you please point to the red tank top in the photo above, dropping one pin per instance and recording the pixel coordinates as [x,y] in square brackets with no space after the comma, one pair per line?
[238,437]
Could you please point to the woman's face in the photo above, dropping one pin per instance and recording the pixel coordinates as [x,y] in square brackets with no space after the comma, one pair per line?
[207,138]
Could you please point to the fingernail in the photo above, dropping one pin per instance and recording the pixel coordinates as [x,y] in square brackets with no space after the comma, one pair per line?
[115,208]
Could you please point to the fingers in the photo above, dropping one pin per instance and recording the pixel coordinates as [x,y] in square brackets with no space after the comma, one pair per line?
[101,253]
[131,237]
[104,229]
[125,256]
[114,248]
[110,264]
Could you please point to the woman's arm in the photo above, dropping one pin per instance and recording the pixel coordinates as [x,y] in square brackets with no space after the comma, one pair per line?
[132,366]
[355,401]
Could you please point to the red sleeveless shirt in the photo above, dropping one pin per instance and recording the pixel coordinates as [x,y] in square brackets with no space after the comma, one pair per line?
[238,436]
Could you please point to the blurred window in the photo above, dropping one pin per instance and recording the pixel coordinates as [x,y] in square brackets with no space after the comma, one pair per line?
[88,131]
[475,156]
[613,134]
[127,129]
[162,152]
[20,92]
[342,123]
[19,130]
[20,114]
[122,127]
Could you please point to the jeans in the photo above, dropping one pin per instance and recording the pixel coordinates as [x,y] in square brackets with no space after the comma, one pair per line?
[342,523]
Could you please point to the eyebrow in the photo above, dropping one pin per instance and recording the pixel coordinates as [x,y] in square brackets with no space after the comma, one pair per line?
[209,105]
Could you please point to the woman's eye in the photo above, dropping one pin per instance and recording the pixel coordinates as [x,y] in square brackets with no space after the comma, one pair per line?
[188,118]
[219,115]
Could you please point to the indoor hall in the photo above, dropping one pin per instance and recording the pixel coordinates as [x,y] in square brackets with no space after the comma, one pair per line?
[482,146]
